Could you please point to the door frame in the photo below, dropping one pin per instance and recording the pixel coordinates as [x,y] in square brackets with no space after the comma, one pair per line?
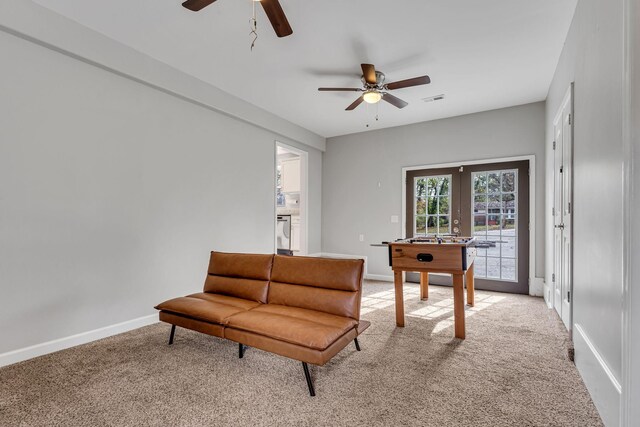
[304,196]
[532,198]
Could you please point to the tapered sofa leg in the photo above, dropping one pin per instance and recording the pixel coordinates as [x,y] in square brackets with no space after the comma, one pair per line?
[171,335]
[357,344]
[240,350]
[312,392]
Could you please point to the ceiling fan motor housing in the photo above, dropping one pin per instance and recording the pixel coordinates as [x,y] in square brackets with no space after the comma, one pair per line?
[380,77]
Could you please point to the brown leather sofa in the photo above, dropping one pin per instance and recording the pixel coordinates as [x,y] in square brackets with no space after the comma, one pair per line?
[304,308]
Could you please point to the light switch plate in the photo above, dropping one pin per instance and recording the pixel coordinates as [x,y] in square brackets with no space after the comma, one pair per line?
[394,219]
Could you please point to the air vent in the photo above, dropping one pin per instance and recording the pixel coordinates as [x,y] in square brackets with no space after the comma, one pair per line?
[434,98]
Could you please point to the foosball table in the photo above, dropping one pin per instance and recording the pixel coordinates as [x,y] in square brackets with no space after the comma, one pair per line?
[450,255]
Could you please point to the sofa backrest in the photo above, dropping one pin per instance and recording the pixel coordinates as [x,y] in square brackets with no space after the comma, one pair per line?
[330,285]
[239,275]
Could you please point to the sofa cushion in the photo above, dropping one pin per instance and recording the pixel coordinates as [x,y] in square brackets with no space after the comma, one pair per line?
[328,273]
[308,328]
[239,275]
[339,303]
[209,308]
[247,266]
[322,284]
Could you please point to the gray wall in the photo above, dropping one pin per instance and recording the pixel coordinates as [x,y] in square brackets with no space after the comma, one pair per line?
[633,283]
[353,165]
[113,193]
[593,59]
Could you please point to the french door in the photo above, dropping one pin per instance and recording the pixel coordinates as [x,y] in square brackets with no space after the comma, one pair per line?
[487,201]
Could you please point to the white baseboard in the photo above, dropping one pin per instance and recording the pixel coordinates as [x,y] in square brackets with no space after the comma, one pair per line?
[536,287]
[547,295]
[379,277]
[604,387]
[26,353]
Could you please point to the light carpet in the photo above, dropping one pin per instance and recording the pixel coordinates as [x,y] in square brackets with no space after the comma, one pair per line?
[512,370]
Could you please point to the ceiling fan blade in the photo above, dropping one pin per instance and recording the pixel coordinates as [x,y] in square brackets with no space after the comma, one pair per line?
[416,81]
[196,5]
[339,89]
[277,17]
[394,100]
[355,104]
[369,73]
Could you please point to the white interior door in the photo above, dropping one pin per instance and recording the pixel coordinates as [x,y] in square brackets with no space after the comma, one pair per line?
[562,257]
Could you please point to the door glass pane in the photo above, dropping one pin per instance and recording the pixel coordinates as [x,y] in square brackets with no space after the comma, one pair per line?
[480,204]
[421,206]
[480,183]
[480,225]
[433,205]
[508,269]
[481,251]
[509,226]
[443,205]
[443,225]
[493,247]
[508,181]
[493,268]
[480,267]
[508,204]
[432,226]
[493,182]
[421,188]
[508,247]
[495,212]
[493,223]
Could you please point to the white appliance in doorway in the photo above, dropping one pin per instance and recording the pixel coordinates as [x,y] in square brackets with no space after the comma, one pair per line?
[283,232]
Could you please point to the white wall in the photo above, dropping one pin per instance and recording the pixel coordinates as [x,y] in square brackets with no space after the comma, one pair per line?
[593,59]
[352,203]
[112,194]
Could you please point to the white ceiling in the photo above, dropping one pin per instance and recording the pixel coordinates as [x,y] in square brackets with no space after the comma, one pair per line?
[481,54]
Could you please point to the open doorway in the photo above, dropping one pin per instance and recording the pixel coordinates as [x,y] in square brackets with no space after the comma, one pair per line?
[291,200]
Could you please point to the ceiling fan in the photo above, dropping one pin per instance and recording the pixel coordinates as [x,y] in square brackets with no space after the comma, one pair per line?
[271,7]
[375,88]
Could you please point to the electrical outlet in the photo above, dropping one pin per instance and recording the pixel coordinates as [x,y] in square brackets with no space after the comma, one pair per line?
[361,237]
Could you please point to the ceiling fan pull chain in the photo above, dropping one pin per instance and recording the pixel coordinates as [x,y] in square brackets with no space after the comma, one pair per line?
[254,26]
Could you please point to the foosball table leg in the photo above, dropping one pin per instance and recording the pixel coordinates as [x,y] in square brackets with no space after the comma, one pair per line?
[458,305]
[397,281]
[471,300]
[424,285]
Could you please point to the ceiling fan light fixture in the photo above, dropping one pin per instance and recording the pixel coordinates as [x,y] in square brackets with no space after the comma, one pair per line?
[372,96]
